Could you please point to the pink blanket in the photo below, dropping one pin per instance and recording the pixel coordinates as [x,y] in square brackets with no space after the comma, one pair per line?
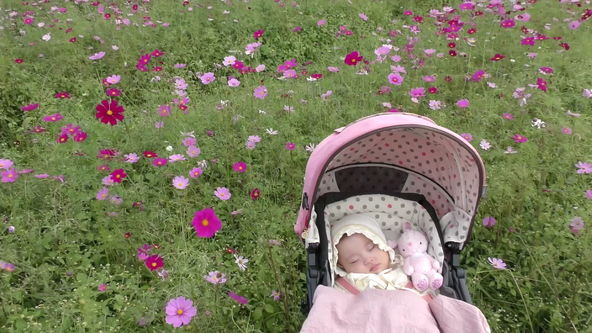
[390,311]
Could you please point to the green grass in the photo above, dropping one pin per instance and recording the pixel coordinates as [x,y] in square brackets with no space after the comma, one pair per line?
[66,242]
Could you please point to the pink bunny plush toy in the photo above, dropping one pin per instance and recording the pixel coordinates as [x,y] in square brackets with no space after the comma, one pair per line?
[423,268]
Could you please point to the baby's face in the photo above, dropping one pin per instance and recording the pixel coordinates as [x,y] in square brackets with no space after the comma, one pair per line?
[358,254]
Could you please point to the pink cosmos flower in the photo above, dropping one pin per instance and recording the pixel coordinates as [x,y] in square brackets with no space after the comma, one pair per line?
[576,225]
[395,78]
[29,107]
[239,167]
[193,151]
[195,172]
[467,136]
[179,311]
[176,158]
[238,298]
[180,182]
[233,83]
[584,167]
[164,110]
[333,69]
[417,92]
[142,252]
[215,277]
[566,131]
[276,295]
[97,56]
[6,164]
[222,193]
[102,194]
[113,79]
[53,117]
[131,158]
[321,22]
[9,176]
[508,116]
[466,6]
[573,25]
[102,287]
[363,17]
[189,141]
[588,194]
[290,146]
[206,223]
[463,103]
[524,17]
[260,92]
[587,93]
[489,221]
[519,138]
[497,263]
[207,78]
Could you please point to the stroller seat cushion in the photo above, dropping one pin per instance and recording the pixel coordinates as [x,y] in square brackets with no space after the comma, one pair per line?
[391,213]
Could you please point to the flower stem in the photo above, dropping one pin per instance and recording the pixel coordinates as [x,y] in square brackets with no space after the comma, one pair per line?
[281,285]
[523,301]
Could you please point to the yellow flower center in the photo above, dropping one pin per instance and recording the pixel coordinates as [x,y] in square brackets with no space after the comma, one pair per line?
[179,312]
[109,112]
[10,175]
[154,264]
[117,176]
[205,222]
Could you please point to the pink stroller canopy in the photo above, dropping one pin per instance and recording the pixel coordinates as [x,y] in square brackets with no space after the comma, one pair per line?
[399,152]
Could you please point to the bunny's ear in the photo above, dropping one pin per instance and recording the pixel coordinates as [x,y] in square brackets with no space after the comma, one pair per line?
[407,226]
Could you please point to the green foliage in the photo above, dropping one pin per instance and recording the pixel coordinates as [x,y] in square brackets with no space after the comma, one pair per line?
[67,243]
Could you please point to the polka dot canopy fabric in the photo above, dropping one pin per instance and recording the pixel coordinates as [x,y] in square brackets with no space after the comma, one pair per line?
[399,153]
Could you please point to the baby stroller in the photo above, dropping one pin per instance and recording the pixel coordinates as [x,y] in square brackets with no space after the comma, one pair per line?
[396,167]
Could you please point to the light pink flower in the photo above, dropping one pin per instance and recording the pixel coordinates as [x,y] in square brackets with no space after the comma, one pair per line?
[207,78]
[180,182]
[223,193]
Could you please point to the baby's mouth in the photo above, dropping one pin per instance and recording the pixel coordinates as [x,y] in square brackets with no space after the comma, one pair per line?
[375,268]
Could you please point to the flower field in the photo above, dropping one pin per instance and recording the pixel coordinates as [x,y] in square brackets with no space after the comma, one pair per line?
[152,152]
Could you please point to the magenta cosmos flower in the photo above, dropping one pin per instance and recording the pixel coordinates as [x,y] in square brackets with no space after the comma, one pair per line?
[117,175]
[353,58]
[463,103]
[206,223]
[154,262]
[29,107]
[238,298]
[489,221]
[109,112]
[239,167]
[519,138]
[53,117]
[290,146]
[180,311]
